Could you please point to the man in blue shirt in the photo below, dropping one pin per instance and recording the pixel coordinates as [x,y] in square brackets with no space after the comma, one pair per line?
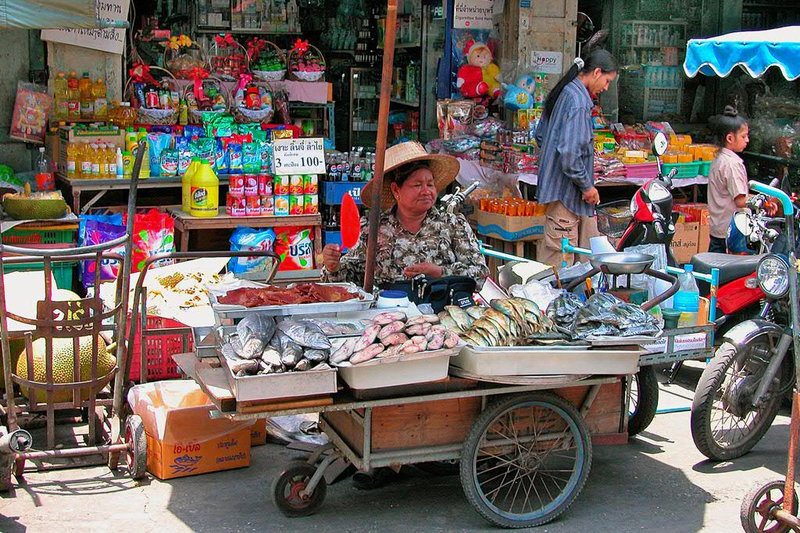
[566,159]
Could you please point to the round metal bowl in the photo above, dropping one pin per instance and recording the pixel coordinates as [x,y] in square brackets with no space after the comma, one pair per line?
[622,263]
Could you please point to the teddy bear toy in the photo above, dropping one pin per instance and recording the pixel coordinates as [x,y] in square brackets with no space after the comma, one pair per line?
[479,76]
[519,95]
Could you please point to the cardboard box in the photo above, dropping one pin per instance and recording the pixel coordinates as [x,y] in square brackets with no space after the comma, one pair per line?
[258,433]
[685,242]
[67,135]
[182,439]
[510,228]
[704,238]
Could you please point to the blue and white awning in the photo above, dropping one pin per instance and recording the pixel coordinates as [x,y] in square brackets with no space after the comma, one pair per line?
[754,51]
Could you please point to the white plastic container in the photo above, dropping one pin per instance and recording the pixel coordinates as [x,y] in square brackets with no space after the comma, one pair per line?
[398,370]
[542,361]
[392,299]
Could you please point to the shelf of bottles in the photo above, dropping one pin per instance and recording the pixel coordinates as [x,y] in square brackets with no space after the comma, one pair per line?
[248,16]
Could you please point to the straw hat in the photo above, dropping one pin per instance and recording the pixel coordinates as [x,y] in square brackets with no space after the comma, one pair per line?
[443,167]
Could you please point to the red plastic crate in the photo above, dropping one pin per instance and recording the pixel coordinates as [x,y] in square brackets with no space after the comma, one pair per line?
[159,349]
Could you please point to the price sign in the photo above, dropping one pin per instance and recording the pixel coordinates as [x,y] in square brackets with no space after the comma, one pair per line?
[298,156]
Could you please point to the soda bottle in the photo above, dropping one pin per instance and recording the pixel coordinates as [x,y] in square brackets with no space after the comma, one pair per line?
[45,180]
[60,97]
[74,97]
[99,97]
[73,160]
[87,104]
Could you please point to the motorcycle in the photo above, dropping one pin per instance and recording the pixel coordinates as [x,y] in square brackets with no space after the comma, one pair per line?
[742,387]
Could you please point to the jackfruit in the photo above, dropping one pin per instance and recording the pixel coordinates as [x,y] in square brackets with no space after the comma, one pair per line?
[63,361]
[36,206]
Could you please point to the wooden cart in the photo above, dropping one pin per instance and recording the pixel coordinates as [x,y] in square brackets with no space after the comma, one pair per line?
[524,447]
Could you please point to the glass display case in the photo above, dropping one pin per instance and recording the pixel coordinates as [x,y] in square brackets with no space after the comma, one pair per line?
[365,85]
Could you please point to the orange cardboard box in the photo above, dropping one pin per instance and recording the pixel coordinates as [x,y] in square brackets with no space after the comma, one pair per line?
[258,433]
[182,440]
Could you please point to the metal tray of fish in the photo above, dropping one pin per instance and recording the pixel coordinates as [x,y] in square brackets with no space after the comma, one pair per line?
[281,386]
[363,301]
[546,360]
[206,342]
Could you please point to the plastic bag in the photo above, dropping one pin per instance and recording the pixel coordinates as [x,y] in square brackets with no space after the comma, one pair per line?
[98,233]
[653,285]
[538,292]
[153,234]
[247,239]
[295,246]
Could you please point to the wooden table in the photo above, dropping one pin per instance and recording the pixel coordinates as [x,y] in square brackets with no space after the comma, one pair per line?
[101,187]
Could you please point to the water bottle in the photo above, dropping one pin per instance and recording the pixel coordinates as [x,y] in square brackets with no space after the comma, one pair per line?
[45,180]
[687,299]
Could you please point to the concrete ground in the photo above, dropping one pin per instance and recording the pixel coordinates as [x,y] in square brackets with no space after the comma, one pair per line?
[657,482]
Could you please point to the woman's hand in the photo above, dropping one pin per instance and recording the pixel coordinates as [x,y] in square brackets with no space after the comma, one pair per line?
[429,269]
[591,196]
[331,255]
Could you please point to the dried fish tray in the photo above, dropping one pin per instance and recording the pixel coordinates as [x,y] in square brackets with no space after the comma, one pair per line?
[397,370]
[281,386]
[546,360]
[364,301]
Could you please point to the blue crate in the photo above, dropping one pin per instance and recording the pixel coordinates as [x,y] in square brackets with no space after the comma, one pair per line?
[334,191]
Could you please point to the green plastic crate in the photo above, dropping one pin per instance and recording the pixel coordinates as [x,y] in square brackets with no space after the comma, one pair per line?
[16,236]
[705,168]
[62,271]
[685,170]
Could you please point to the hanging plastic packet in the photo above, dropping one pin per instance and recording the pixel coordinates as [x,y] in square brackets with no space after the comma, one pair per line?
[295,246]
[220,165]
[251,158]
[235,162]
[98,233]
[250,239]
[157,143]
[169,162]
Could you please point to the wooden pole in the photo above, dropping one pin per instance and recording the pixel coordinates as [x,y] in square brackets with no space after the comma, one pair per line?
[380,143]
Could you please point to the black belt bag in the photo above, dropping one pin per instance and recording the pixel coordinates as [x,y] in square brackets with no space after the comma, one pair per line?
[438,292]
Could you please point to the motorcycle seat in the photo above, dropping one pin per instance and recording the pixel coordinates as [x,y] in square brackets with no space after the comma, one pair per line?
[731,267]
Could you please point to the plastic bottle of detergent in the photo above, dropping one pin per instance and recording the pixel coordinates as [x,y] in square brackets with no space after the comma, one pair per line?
[186,184]
[687,299]
[131,138]
[205,192]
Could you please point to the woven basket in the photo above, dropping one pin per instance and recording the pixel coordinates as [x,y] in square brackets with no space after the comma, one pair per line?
[183,61]
[155,117]
[271,75]
[227,63]
[196,115]
[294,60]
[242,115]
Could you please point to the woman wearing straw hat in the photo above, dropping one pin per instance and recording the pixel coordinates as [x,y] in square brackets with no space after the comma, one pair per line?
[415,236]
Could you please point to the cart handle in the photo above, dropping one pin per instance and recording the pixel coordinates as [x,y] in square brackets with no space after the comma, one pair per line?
[38,252]
[786,202]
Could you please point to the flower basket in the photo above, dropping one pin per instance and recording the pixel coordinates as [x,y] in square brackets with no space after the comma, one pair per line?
[184,60]
[214,98]
[229,58]
[267,60]
[151,115]
[244,114]
[306,62]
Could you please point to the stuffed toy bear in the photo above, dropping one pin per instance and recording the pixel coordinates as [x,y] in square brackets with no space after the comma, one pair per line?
[519,95]
[479,76]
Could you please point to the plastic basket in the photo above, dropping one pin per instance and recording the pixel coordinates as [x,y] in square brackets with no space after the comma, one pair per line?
[159,349]
[16,236]
[62,271]
[685,170]
[705,168]
[613,218]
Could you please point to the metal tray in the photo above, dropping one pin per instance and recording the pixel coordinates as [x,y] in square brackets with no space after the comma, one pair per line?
[281,386]
[365,301]
[546,360]
[205,341]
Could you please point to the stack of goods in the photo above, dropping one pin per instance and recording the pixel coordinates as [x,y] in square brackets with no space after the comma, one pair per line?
[251,103]
[306,62]
[512,207]
[267,61]
[507,322]
[157,102]
[75,98]
[204,98]
[183,57]
[259,346]
[601,315]
[392,334]
[263,194]
[302,293]
[606,166]
[229,58]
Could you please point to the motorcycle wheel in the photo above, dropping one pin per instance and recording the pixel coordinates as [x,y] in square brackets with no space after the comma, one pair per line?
[719,433]
[644,400]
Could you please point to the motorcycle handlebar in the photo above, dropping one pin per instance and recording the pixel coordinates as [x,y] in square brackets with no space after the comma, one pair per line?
[786,202]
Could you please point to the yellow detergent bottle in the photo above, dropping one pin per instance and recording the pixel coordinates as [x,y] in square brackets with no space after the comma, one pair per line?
[205,192]
[131,138]
[186,184]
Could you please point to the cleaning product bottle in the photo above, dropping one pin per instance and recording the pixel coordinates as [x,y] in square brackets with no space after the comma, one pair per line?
[118,164]
[130,139]
[87,104]
[74,98]
[144,172]
[687,299]
[100,102]
[186,184]
[73,160]
[127,164]
[205,192]
[60,97]
[141,134]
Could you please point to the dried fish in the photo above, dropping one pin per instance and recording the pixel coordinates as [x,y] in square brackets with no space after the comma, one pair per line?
[394,339]
[343,352]
[370,352]
[391,351]
[252,348]
[271,356]
[305,334]
[316,356]
[419,329]
[367,338]
[388,317]
[450,340]
[461,318]
[291,354]
[435,339]
[476,311]
[333,328]
[395,327]
[247,366]
[423,319]
[257,326]
[302,364]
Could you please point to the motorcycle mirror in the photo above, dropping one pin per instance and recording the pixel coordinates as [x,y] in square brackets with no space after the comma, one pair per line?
[660,144]
[742,222]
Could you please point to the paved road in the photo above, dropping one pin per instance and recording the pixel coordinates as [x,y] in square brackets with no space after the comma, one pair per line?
[658,482]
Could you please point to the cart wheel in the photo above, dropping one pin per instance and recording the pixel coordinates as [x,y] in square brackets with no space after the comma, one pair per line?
[135,438]
[758,505]
[643,401]
[525,460]
[288,486]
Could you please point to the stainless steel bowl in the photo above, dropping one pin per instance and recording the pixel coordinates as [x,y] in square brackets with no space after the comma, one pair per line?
[621,262]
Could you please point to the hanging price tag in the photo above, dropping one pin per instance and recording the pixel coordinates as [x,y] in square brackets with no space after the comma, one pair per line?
[298,156]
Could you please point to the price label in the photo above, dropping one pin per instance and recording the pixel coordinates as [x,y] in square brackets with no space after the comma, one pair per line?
[298,156]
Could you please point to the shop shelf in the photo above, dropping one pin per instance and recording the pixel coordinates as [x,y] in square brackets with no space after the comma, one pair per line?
[685,170]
